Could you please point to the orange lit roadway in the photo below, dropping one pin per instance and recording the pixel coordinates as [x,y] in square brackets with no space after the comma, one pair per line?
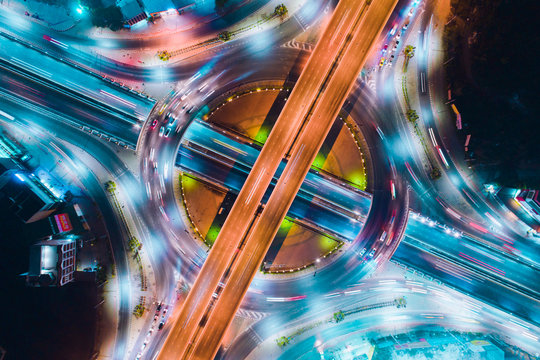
[320,90]
[348,64]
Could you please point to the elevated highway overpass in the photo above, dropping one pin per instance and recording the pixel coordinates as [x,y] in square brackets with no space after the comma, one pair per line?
[302,124]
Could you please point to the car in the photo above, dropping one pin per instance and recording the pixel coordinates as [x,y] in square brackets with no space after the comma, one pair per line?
[154,123]
[371,253]
[158,308]
[203,86]
[385,47]
[161,131]
[191,110]
[161,325]
[172,120]
[398,36]
[167,132]
[381,63]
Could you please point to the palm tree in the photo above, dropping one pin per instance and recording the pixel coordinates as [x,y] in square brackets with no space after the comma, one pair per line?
[409,53]
[412,115]
[281,10]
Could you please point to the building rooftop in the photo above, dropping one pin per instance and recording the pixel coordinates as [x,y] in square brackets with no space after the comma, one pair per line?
[26,196]
[52,263]
[157,6]
[130,9]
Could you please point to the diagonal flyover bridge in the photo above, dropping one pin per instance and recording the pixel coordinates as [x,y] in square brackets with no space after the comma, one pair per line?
[302,126]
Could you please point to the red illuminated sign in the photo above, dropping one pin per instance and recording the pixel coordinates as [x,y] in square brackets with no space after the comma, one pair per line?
[63,223]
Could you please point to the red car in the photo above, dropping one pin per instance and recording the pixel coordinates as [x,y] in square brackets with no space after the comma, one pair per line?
[154,123]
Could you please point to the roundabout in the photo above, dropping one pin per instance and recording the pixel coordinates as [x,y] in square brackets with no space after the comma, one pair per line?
[380,214]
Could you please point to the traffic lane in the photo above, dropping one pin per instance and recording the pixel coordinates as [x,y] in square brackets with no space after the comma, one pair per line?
[423,309]
[174,242]
[468,282]
[54,70]
[256,184]
[485,259]
[79,112]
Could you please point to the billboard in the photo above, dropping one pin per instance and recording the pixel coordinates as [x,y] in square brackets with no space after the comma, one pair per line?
[63,223]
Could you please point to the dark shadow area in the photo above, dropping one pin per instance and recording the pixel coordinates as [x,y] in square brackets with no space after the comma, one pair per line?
[331,138]
[493,75]
[279,103]
[277,243]
[221,216]
[40,323]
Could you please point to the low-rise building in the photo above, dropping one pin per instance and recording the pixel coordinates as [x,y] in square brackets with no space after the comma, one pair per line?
[132,11]
[52,263]
[530,202]
[26,197]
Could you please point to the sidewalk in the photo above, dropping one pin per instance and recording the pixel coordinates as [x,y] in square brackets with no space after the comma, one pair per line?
[175,33]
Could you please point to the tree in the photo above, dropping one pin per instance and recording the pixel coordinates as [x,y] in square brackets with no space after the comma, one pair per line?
[225,35]
[101,273]
[281,10]
[138,311]
[409,53]
[339,316]
[220,4]
[282,341]
[164,55]
[110,17]
[412,116]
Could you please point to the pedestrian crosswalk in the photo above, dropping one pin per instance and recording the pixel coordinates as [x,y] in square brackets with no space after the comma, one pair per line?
[249,314]
[298,45]
[368,80]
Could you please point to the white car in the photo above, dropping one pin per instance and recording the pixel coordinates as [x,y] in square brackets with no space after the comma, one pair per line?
[161,131]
